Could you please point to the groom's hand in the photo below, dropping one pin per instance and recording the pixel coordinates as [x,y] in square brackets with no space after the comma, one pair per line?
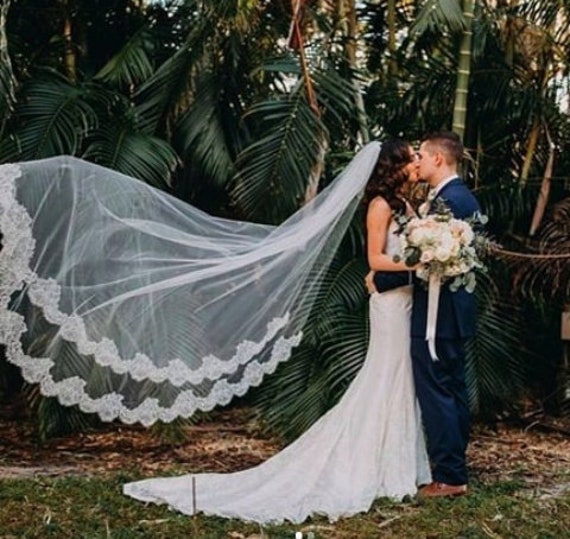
[369,282]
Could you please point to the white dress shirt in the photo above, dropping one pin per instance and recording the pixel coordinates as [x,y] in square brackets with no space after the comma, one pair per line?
[435,190]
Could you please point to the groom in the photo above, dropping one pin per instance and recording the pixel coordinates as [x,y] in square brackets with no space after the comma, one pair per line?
[440,384]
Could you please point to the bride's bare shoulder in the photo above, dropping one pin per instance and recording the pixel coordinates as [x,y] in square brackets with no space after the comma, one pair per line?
[379,207]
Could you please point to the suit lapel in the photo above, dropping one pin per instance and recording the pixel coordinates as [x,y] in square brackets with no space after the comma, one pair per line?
[455,181]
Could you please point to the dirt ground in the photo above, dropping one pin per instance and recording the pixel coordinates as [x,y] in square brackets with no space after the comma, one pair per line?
[537,453]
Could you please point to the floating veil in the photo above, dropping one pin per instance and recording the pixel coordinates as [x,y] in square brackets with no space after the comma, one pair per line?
[123,300]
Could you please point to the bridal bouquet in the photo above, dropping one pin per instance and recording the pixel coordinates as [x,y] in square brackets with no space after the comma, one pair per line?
[443,246]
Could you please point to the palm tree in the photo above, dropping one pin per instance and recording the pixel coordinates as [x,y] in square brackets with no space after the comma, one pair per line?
[455,17]
[61,110]
[318,374]
[205,99]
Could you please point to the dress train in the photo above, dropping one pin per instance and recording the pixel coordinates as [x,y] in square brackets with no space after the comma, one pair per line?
[369,445]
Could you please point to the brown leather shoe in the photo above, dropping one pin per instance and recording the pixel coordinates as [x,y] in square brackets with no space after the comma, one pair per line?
[435,490]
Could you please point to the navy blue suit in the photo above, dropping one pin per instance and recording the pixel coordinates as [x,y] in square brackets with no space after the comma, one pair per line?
[440,385]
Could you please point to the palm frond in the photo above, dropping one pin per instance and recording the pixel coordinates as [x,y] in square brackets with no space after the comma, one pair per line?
[345,355]
[544,275]
[9,149]
[332,352]
[438,15]
[294,397]
[342,290]
[55,117]
[281,65]
[335,93]
[315,378]
[202,133]
[495,358]
[120,147]
[540,267]
[163,91]
[7,87]
[423,105]
[132,64]
[506,203]
[273,171]
[53,418]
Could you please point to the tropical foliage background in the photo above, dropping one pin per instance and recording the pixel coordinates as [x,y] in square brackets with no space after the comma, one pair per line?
[245,108]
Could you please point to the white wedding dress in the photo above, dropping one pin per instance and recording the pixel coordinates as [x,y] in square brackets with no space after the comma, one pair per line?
[369,445]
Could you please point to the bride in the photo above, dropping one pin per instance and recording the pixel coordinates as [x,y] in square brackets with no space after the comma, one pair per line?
[370,444]
[126,302]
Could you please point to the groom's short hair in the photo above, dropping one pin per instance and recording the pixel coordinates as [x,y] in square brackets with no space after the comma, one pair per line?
[448,143]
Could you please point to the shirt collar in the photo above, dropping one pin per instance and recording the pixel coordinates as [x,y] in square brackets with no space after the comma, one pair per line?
[435,190]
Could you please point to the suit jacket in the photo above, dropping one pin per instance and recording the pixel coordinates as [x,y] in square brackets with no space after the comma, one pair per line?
[456,312]
[388,280]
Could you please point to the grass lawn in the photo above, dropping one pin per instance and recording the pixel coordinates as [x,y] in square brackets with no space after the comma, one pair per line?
[81,507]
[70,487]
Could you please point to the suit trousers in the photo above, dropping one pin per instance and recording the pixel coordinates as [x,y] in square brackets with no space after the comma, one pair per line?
[442,394]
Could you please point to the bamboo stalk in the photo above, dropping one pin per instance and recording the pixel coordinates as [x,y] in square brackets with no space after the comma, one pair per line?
[463,71]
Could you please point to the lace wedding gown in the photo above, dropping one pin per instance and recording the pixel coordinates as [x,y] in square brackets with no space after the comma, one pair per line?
[369,445]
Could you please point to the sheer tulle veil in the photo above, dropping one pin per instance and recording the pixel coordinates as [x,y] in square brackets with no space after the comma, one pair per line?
[123,300]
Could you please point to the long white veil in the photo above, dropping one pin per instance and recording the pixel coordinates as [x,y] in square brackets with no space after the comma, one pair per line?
[121,299]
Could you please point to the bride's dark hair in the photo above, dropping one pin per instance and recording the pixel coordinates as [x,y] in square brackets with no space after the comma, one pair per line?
[389,175]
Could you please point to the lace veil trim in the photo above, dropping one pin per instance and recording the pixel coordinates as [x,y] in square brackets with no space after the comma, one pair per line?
[16,274]
[129,303]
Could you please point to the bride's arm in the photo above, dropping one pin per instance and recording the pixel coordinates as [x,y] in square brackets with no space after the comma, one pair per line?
[377,222]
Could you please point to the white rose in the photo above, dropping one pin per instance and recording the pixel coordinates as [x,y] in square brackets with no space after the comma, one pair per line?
[463,231]
[416,236]
[443,253]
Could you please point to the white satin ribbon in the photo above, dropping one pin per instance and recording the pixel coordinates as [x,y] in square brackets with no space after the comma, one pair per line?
[433,304]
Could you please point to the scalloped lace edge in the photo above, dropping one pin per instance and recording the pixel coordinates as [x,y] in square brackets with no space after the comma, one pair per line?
[16,273]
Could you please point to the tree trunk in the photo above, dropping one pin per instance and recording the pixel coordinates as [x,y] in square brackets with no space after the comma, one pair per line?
[70,59]
[351,41]
[391,19]
[542,201]
[7,80]
[530,150]
[296,41]
[463,71]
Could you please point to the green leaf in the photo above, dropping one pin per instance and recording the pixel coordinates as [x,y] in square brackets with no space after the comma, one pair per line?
[273,172]
[203,130]
[132,64]
[120,147]
[438,16]
[54,116]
